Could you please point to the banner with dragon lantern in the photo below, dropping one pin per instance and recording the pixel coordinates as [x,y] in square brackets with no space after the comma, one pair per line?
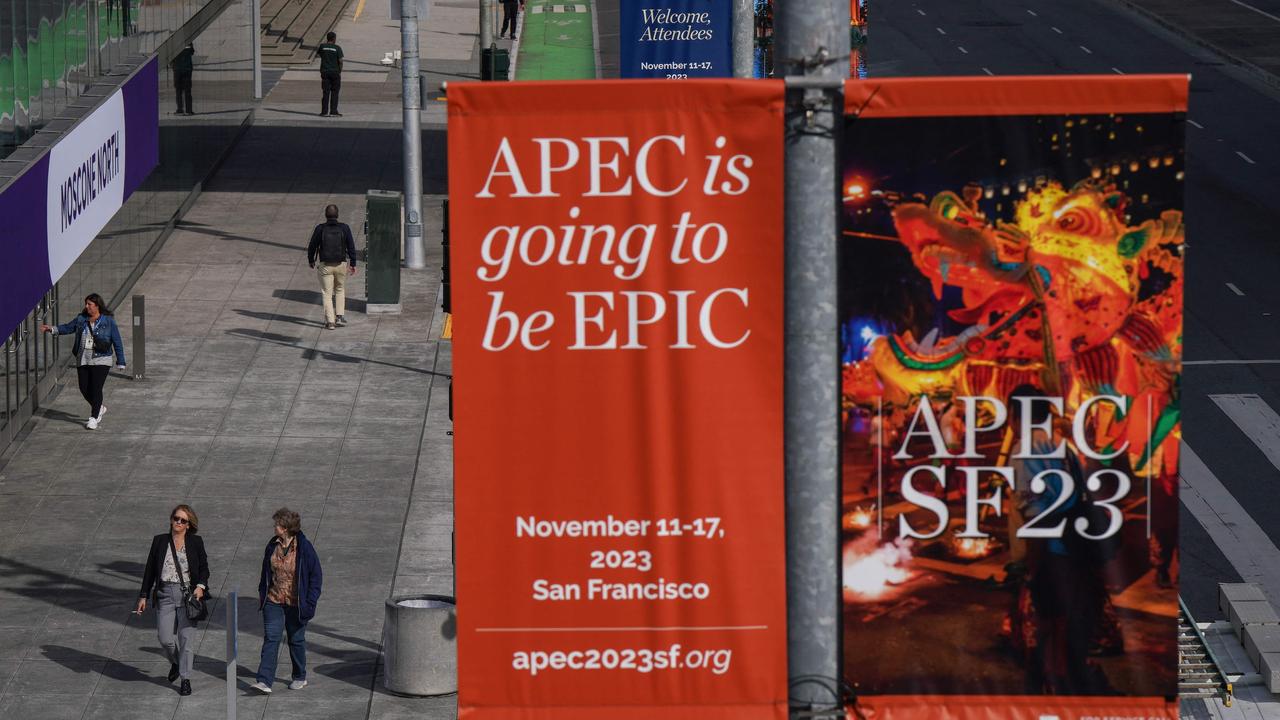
[1011,273]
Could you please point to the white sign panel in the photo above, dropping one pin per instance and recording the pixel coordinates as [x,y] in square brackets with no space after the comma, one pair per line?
[86,183]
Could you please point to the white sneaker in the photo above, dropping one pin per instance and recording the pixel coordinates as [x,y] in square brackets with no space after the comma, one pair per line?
[92,424]
[102,410]
[297,684]
[261,687]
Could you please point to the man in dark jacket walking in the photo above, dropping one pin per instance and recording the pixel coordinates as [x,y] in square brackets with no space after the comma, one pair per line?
[182,69]
[510,10]
[330,75]
[332,243]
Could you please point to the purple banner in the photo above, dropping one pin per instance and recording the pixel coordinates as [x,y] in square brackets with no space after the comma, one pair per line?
[142,121]
[24,271]
[60,204]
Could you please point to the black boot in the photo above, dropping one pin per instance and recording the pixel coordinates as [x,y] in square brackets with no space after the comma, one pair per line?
[173,672]
[185,688]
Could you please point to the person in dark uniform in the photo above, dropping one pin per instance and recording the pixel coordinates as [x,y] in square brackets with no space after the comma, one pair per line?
[330,75]
[182,69]
[510,8]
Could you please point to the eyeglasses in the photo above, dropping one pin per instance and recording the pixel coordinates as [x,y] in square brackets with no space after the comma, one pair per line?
[182,520]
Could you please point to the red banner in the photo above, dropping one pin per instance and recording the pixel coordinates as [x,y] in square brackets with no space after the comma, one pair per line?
[617,265]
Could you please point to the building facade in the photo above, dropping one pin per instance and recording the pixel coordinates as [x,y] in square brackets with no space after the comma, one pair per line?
[56,58]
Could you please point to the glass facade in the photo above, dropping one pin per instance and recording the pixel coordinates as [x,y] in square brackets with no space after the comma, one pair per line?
[190,147]
[51,49]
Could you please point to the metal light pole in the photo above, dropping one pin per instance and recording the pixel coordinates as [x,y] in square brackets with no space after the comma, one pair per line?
[744,22]
[415,255]
[813,56]
[255,13]
[486,24]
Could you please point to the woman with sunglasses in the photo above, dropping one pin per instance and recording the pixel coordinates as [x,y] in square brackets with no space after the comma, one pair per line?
[97,341]
[176,560]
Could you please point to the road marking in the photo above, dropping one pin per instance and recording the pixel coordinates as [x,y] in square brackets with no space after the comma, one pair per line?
[1257,10]
[1032,13]
[1117,71]
[985,70]
[1086,49]
[922,14]
[1256,419]
[1246,546]
[961,49]
[359,9]
[1193,122]
[1246,158]
[1235,289]
[1055,29]
[1231,362]
[941,31]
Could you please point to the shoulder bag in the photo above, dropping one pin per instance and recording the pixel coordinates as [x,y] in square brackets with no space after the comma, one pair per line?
[100,345]
[196,608]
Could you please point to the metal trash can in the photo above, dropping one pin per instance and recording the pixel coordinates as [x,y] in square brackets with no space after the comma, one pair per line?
[419,645]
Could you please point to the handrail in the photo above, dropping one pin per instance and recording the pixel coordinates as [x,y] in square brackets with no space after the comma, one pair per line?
[1213,658]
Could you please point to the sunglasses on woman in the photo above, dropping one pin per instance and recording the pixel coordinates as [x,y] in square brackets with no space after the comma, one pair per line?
[182,520]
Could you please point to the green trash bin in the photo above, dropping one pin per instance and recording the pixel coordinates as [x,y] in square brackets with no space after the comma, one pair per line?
[383,250]
[494,63]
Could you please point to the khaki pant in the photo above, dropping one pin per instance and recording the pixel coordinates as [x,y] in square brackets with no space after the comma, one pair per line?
[333,287]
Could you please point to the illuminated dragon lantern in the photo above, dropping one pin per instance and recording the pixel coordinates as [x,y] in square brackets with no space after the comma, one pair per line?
[1067,296]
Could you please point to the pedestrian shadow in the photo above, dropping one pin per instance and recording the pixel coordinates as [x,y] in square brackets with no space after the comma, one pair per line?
[332,633]
[202,229]
[277,317]
[64,417]
[312,353]
[106,603]
[312,297]
[293,112]
[79,661]
[122,569]
[278,339]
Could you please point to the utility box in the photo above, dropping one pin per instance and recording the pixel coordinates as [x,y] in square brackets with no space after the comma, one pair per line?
[384,247]
[494,63]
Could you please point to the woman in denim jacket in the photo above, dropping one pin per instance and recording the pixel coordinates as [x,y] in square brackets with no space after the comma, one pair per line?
[92,364]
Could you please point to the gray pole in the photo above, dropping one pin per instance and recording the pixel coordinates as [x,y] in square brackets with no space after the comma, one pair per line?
[415,255]
[256,12]
[744,23]
[233,627]
[486,24]
[813,54]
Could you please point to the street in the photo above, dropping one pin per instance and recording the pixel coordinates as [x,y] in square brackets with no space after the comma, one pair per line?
[1231,151]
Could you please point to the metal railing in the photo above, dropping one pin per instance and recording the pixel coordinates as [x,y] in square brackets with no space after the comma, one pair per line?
[1200,674]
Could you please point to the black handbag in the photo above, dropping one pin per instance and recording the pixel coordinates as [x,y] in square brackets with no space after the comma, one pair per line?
[99,344]
[196,608]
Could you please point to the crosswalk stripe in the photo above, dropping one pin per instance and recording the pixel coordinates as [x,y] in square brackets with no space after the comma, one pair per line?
[1244,543]
[1256,419]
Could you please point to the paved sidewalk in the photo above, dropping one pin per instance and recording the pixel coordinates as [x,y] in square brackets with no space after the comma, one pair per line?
[249,405]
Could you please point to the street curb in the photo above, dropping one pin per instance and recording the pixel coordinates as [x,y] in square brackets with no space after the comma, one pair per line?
[1265,76]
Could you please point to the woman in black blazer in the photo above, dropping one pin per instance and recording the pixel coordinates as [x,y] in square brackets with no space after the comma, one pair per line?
[176,559]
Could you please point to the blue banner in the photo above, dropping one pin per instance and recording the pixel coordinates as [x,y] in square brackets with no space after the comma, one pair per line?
[677,39]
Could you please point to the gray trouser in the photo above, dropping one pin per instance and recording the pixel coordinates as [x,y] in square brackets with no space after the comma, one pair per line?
[182,648]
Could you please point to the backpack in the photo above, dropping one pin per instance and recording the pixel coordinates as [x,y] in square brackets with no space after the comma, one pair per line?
[333,243]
